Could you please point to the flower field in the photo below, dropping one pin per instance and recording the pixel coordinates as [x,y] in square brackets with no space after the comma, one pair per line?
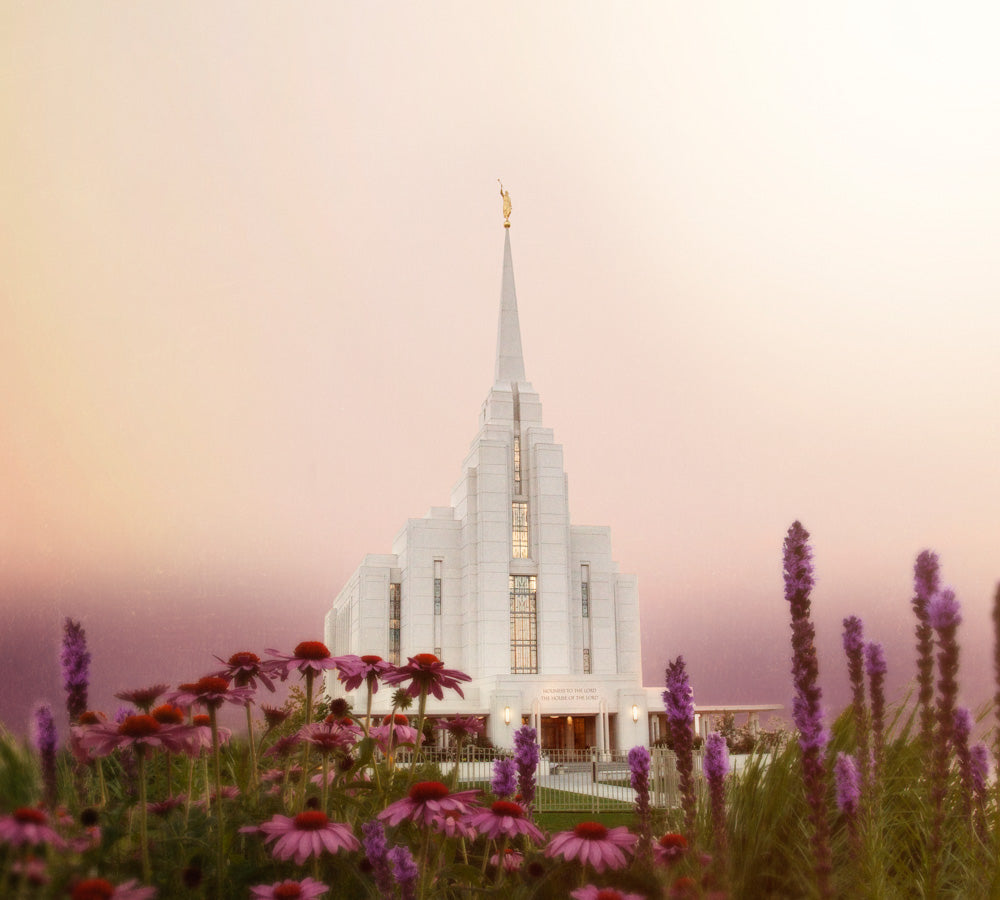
[319,798]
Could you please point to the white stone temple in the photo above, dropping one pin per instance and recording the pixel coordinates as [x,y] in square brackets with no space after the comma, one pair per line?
[504,587]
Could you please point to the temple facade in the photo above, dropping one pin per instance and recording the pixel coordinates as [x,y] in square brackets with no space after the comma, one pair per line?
[504,587]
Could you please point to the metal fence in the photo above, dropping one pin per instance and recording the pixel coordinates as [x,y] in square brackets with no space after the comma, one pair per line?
[576,780]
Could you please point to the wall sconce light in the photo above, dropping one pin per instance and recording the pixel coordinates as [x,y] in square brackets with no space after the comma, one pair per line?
[506,715]
[635,712]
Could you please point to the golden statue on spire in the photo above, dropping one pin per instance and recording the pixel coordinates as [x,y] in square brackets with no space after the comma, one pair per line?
[506,204]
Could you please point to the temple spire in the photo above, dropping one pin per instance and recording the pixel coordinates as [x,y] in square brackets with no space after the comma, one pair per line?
[510,359]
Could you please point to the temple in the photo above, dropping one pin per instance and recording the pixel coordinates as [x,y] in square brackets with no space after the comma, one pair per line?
[503,586]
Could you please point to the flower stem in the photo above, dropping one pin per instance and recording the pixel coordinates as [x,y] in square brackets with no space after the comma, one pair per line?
[140,754]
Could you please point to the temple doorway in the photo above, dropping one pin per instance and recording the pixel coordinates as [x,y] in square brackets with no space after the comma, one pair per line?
[568,732]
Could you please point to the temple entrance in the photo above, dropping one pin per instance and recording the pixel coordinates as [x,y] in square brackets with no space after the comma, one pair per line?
[568,732]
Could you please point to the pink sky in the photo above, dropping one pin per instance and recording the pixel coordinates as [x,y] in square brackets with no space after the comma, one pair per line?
[249,273]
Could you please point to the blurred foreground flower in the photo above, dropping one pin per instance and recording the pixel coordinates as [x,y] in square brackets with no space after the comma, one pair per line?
[593,844]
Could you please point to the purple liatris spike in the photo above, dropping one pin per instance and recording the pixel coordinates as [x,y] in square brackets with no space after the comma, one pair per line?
[925,586]
[122,713]
[876,667]
[806,708]
[638,764]
[854,648]
[996,674]
[526,756]
[43,736]
[405,871]
[960,742]
[377,852]
[944,615]
[75,662]
[504,783]
[845,772]
[979,756]
[678,701]
[716,767]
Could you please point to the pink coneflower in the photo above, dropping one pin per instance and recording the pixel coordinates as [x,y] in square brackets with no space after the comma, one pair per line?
[273,716]
[211,692]
[305,889]
[593,892]
[32,870]
[353,671]
[244,668]
[164,807]
[453,823]
[310,658]
[27,826]
[504,819]
[670,848]
[330,737]
[199,735]
[461,728]
[394,731]
[168,714]
[310,833]
[144,698]
[592,843]
[134,731]
[512,860]
[100,889]
[283,746]
[229,792]
[427,675]
[425,802]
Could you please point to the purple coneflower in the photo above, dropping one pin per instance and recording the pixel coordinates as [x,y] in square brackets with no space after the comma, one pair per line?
[394,732]
[273,716]
[353,671]
[925,585]
[670,848]
[144,698]
[309,659]
[504,819]
[426,801]
[678,701]
[453,823]
[244,668]
[504,783]
[310,833]
[592,892]
[427,675]
[331,736]
[526,757]
[27,826]
[376,851]
[594,844]
[405,871]
[136,731]
[211,692]
[806,709]
[75,662]
[43,736]
[101,889]
[512,860]
[306,889]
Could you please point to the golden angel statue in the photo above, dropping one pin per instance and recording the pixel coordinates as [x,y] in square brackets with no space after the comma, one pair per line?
[506,204]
